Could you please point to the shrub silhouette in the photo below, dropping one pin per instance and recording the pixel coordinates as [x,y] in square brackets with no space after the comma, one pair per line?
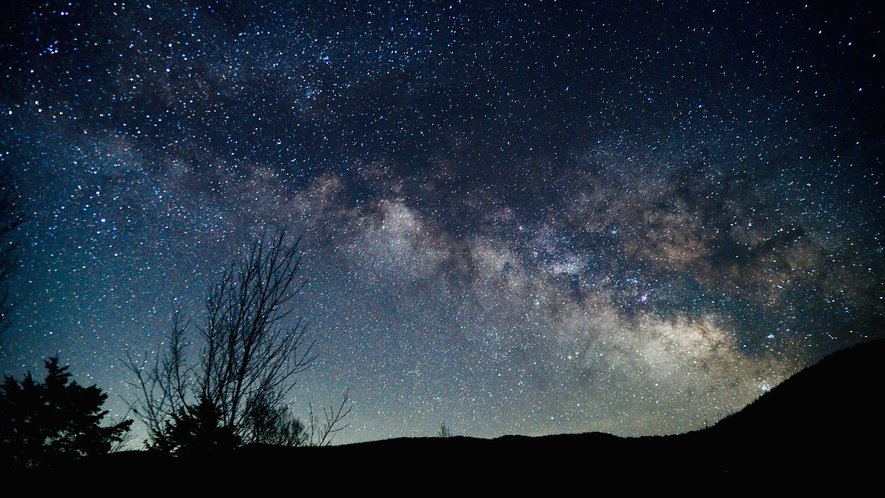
[54,421]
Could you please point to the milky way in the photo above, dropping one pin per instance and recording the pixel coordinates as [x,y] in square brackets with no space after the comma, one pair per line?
[514,219]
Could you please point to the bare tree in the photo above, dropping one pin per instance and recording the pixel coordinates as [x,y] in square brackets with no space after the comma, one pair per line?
[444,431]
[274,424]
[323,431]
[251,351]
[165,385]
[247,352]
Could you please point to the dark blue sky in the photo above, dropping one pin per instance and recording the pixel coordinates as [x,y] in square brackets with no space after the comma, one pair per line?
[631,217]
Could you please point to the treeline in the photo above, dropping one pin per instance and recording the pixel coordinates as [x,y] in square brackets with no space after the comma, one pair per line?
[251,348]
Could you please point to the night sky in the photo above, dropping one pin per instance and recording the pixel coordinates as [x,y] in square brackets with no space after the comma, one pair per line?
[630,217]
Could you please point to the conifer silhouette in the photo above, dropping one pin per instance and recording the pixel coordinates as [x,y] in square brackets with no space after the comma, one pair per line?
[55,421]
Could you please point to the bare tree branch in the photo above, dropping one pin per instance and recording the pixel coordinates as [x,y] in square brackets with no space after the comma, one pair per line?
[251,351]
[247,351]
[323,432]
[164,384]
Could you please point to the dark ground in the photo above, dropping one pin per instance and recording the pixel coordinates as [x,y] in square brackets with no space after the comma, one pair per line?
[820,428]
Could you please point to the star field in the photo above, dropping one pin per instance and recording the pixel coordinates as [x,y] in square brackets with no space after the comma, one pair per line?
[532,219]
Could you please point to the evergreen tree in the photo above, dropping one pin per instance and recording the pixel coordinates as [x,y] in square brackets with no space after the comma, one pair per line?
[54,421]
[195,430]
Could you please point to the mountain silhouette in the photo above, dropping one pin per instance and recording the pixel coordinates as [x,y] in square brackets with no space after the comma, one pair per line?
[821,426]
[835,399]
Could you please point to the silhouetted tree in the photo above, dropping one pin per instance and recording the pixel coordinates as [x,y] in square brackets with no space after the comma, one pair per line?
[444,431]
[251,350]
[323,431]
[54,421]
[273,424]
[195,430]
